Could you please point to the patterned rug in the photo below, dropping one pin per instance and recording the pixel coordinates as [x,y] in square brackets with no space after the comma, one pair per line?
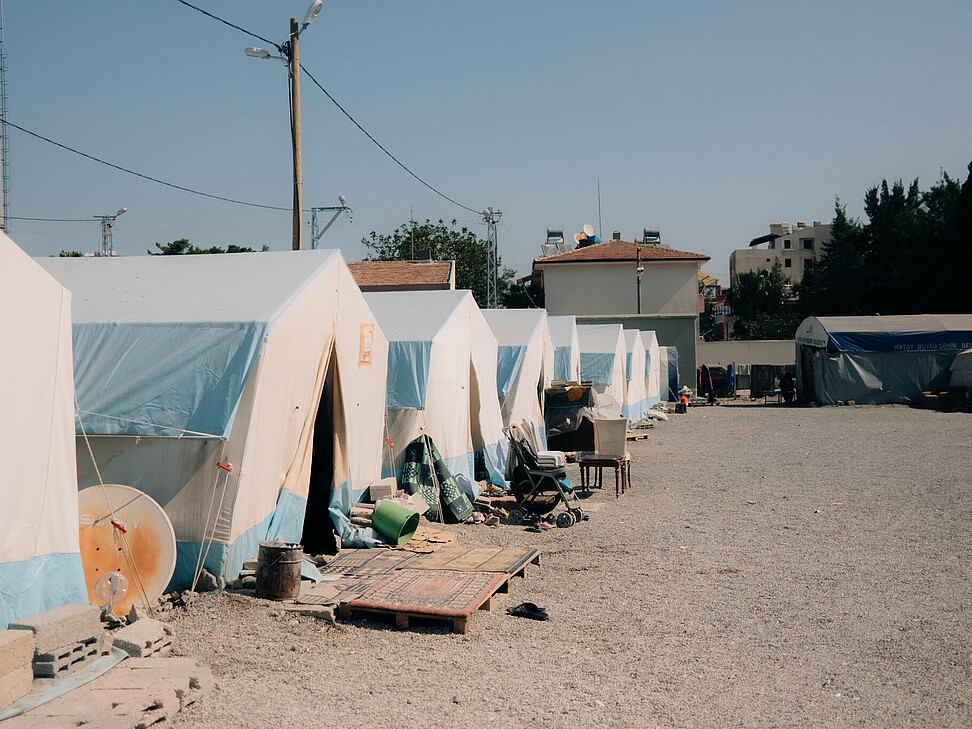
[509,561]
[436,593]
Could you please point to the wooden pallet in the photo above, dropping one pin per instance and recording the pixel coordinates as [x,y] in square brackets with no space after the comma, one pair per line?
[638,436]
[444,595]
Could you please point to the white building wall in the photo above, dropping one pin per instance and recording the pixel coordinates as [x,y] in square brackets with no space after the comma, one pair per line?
[667,287]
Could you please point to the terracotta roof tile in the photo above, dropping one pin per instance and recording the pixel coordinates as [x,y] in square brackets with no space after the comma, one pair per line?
[401,275]
[619,250]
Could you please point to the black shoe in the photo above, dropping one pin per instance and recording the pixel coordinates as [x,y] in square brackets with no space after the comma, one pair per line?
[528,610]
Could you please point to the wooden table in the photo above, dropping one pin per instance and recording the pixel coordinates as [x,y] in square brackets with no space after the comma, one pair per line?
[622,471]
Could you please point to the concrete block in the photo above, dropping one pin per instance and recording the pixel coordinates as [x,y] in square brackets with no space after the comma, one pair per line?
[16,650]
[147,637]
[62,626]
[384,489]
[65,661]
[15,684]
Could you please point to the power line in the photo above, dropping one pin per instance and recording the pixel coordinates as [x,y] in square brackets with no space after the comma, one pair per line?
[54,220]
[381,147]
[338,105]
[139,174]
[231,25]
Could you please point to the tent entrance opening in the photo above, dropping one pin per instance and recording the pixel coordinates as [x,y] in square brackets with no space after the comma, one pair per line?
[319,536]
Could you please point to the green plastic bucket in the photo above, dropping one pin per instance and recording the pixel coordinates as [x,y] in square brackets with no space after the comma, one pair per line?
[394,522]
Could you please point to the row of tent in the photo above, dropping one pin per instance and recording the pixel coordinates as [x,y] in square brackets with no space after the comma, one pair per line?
[157,371]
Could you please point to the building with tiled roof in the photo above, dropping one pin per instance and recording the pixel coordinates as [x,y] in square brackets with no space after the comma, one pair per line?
[603,278]
[404,275]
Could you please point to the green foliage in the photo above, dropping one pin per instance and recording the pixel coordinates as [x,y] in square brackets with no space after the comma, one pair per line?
[446,243]
[182,247]
[759,302]
[70,254]
[905,260]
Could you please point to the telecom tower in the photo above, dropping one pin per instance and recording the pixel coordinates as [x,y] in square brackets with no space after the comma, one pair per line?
[491,218]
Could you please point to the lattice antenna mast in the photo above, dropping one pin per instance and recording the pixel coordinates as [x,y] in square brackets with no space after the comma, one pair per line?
[491,218]
[4,139]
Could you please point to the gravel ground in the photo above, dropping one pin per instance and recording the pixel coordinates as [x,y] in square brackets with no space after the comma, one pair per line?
[770,567]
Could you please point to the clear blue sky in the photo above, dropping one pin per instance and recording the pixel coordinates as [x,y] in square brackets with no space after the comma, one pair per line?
[709,120]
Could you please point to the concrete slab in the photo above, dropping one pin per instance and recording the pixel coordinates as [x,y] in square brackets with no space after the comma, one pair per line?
[16,650]
[61,627]
[15,684]
[146,637]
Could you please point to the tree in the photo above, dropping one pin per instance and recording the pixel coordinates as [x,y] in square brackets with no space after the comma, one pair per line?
[837,283]
[758,300]
[181,247]
[70,254]
[446,243]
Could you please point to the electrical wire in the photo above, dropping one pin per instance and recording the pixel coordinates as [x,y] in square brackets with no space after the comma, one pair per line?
[231,25]
[382,148]
[54,220]
[139,174]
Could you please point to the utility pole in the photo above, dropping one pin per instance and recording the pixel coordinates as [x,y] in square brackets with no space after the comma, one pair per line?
[639,270]
[289,53]
[491,218]
[295,127]
[4,144]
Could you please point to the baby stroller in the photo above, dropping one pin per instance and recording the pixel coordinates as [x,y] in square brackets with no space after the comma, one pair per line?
[539,482]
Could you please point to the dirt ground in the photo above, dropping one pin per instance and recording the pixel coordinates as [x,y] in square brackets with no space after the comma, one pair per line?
[770,567]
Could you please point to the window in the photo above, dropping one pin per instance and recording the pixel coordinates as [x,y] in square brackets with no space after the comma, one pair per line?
[787,263]
[807,244]
[807,264]
[786,243]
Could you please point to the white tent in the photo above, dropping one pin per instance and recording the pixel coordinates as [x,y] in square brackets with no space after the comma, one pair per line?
[563,333]
[653,385]
[441,380]
[40,560]
[668,373]
[270,362]
[636,398]
[602,358]
[877,359]
[524,364]
[960,371]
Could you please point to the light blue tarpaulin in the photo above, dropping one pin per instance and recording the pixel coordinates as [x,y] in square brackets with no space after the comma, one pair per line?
[563,334]
[159,379]
[508,361]
[408,375]
[39,584]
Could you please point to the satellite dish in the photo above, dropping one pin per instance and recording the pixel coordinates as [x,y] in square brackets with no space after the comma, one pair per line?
[588,230]
[125,531]
[341,199]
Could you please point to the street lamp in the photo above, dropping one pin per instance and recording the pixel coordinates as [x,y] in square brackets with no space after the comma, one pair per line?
[106,222]
[289,53]
[342,208]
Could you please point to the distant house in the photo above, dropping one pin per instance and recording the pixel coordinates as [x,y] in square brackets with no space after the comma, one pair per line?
[404,275]
[797,248]
[599,284]
[602,279]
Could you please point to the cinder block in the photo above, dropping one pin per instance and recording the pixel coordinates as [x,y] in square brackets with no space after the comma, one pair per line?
[384,489]
[62,626]
[16,650]
[65,661]
[145,638]
[15,684]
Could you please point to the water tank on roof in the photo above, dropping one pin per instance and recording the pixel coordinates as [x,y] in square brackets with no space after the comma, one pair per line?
[651,236]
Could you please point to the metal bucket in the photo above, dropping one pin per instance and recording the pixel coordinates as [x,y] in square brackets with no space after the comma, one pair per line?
[278,570]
